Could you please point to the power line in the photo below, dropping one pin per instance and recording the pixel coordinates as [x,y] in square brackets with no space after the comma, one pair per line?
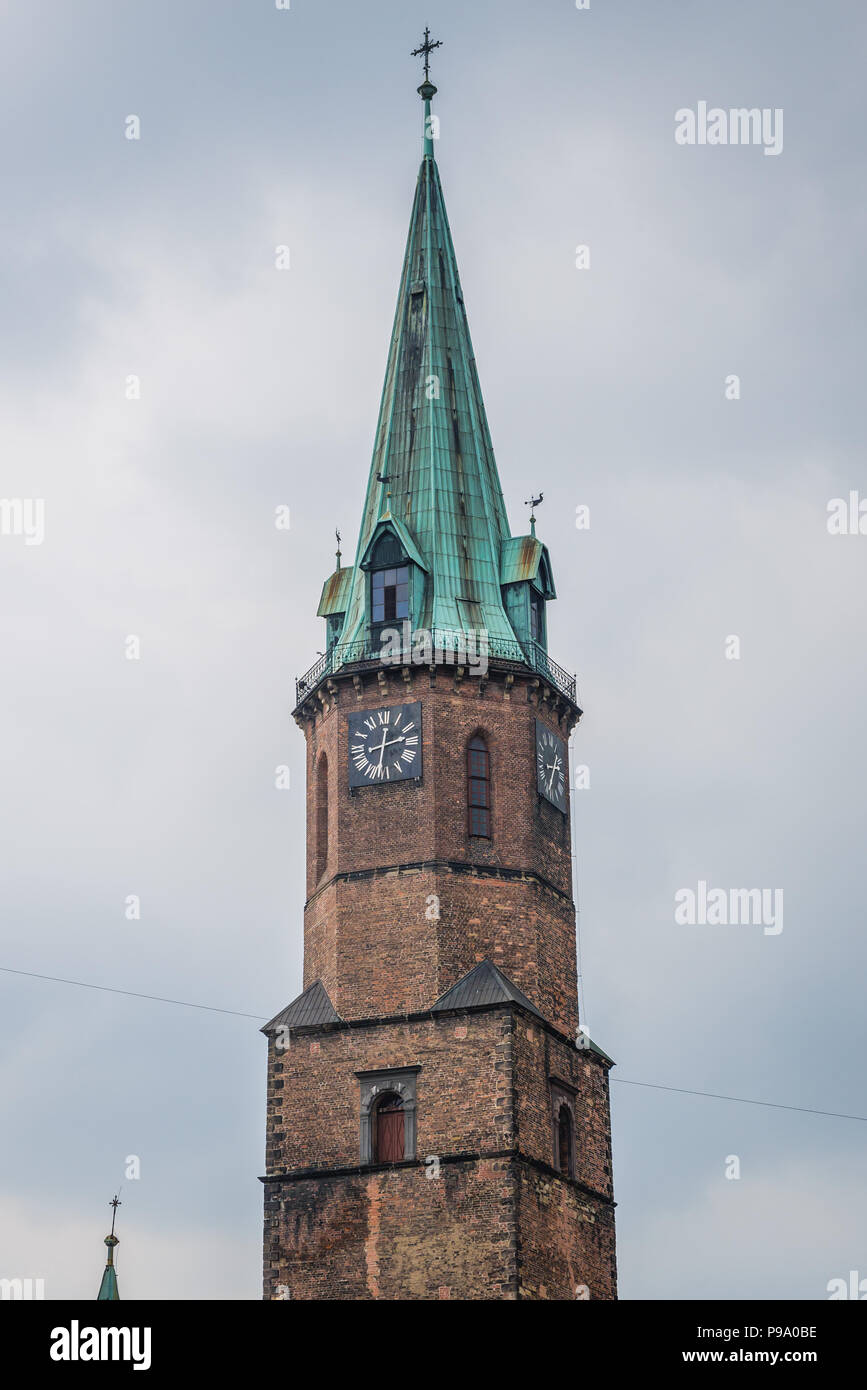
[236,1013]
[742,1100]
[107,989]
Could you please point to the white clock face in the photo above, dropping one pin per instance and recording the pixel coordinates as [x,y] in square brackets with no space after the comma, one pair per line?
[385,744]
[551,766]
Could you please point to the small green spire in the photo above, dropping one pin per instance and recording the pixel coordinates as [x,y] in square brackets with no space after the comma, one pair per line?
[108,1287]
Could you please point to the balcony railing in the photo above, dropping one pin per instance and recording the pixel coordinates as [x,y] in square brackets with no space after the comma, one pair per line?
[441,648]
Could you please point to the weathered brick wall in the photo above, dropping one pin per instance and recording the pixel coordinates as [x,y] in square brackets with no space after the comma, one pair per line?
[463,1088]
[524,928]
[539,1057]
[484,1219]
[394,1234]
[566,1240]
[368,939]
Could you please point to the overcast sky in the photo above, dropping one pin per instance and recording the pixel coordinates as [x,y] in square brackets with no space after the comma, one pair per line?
[605,387]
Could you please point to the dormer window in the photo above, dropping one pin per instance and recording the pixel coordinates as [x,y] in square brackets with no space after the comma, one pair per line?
[390,594]
[395,577]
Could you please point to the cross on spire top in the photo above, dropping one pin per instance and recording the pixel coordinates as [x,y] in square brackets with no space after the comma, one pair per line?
[426,48]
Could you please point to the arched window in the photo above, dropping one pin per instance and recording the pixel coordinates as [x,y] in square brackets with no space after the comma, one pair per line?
[479,787]
[321,816]
[564,1141]
[389,1129]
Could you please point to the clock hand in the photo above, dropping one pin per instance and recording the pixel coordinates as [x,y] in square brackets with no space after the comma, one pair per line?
[385,742]
[382,747]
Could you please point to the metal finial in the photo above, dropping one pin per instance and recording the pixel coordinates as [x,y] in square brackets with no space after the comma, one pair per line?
[337,534]
[426,49]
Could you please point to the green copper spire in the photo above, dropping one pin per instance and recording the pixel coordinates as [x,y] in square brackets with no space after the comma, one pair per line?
[433,477]
[108,1287]
[435,553]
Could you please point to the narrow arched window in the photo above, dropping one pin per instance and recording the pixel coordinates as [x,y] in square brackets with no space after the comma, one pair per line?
[389,1133]
[564,1141]
[479,787]
[321,816]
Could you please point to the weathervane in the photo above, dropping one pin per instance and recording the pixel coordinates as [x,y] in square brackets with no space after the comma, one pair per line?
[337,534]
[427,49]
[533,503]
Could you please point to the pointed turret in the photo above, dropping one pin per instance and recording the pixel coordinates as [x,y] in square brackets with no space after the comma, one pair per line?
[108,1287]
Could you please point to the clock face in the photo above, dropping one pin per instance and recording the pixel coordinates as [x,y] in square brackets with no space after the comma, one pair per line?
[552,766]
[385,744]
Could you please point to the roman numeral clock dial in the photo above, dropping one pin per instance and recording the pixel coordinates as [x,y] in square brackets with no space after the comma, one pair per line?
[552,766]
[385,745]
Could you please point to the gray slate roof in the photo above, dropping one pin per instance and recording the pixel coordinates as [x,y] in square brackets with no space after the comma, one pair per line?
[310,1009]
[485,984]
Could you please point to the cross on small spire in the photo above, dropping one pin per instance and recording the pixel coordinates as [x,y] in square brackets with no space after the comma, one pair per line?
[426,48]
[114,1204]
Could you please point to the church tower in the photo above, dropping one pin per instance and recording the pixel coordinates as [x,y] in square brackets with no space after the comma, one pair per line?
[438,1124]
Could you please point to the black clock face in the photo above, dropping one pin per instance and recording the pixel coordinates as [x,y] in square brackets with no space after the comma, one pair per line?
[385,745]
[552,766]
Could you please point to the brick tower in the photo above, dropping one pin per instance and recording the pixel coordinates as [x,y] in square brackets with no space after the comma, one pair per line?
[438,1125]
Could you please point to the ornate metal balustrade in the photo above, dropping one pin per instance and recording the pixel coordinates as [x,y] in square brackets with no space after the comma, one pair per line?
[436,648]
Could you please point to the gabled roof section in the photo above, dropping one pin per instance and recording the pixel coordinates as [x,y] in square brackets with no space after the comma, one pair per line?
[485,984]
[335,592]
[391,523]
[526,558]
[433,449]
[309,1010]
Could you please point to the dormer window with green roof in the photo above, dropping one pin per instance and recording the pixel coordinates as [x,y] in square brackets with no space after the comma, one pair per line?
[395,576]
